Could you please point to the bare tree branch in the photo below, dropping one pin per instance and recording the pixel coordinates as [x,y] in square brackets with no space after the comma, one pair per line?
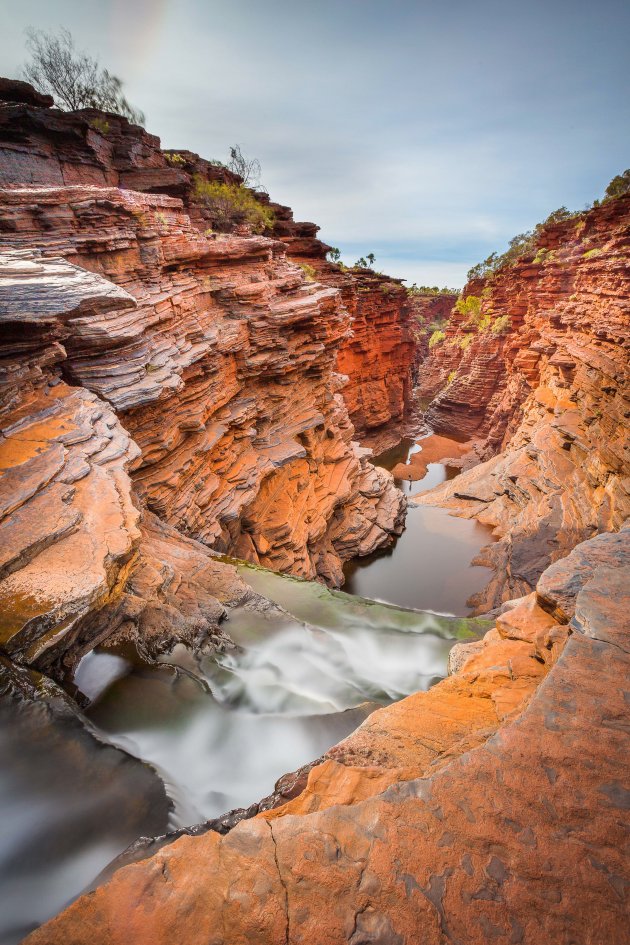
[74,79]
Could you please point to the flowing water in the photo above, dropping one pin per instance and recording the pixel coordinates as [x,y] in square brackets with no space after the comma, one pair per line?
[218,732]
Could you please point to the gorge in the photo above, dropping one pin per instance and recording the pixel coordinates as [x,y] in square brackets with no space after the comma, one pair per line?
[313,587]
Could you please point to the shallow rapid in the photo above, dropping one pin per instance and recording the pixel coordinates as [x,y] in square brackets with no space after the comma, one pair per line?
[195,735]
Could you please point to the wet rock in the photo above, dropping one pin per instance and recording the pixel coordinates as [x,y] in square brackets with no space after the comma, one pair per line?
[449,813]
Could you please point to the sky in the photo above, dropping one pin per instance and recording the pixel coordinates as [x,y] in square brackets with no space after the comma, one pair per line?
[428,133]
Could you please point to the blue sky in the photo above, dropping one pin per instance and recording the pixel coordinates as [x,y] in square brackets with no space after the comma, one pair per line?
[427,133]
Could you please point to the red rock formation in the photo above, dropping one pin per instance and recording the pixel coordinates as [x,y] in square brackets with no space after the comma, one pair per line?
[41,145]
[547,392]
[378,357]
[153,366]
[489,808]
[428,309]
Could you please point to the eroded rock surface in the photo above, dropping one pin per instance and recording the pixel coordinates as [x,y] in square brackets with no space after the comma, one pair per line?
[545,397]
[151,366]
[452,815]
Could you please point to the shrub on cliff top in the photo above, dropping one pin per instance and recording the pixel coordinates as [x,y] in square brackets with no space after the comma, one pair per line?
[231,205]
[520,245]
[619,185]
[430,290]
[74,79]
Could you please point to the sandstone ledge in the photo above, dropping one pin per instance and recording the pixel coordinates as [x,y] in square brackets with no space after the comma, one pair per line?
[510,831]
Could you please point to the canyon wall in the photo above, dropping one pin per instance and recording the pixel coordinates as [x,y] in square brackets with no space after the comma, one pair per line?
[430,312]
[535,371]
[40,145]
[379,354]
[488,809]
[153,368]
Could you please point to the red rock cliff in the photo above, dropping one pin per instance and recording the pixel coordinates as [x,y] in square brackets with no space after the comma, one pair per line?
[378,356]
[41,145]
[160,369]
[536,370]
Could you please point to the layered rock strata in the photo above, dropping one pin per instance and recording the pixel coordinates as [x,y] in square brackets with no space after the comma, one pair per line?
[40,145]
[542,388]
[430,312]
[149,368]
[451,815]
[379,355]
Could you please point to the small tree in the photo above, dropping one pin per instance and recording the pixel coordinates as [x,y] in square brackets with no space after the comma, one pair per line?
[74,79]
[371,258]
[619,185]
[361,263]
[248,169]
[334,254]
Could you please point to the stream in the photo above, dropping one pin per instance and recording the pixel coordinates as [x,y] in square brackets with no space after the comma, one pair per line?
[212,733]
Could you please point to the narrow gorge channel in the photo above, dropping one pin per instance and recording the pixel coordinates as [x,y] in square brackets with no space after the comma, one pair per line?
[313,585]
[217,731]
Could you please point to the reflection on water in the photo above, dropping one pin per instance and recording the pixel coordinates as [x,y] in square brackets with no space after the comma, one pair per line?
[429,566]
[220,731]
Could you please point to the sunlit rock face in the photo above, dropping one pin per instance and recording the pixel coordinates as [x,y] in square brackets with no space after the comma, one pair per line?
[451,815]
[151,365]
[547,392]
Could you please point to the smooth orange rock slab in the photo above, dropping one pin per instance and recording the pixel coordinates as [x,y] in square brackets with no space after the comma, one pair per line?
[68,523]
[517,837]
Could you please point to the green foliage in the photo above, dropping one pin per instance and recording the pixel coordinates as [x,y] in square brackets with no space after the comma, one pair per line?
[231,205]
[501,324]
[544,256]
[436,338]
[451,377]
[334,254]
[430,290]
[173,158]
[619,186]
[100,125]
[161,219]
[463,342]
[365,262]
[592,253]
[520,245]
[470,306]
[540,256]
[309,272]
